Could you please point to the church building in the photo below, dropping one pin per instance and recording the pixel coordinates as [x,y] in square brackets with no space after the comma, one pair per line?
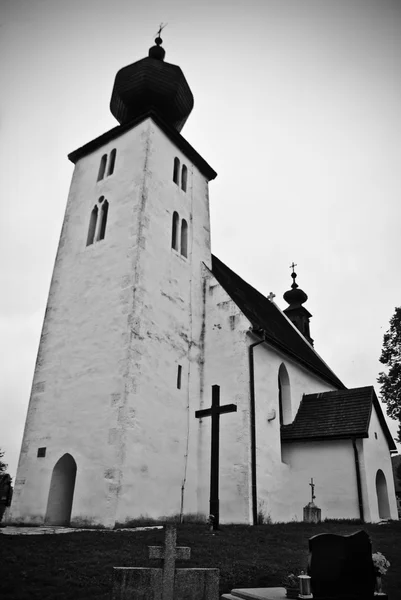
[143,323]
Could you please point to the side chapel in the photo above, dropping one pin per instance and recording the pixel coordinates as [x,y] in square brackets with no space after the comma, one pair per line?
[142,320]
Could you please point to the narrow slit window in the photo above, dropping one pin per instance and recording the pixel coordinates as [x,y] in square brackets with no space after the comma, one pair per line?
[92,226]
[174,234]
[112,162]
[103,220]
[102,167]
[179,373]
[176,172]
[184,176]
[184,238]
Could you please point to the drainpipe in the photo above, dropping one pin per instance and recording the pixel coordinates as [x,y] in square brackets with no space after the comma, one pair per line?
[358,480]
[253,431]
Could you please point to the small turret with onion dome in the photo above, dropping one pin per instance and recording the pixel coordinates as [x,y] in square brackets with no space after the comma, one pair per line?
[297,313]
[150,84]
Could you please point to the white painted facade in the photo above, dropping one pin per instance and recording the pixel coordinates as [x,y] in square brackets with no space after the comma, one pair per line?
[123,314]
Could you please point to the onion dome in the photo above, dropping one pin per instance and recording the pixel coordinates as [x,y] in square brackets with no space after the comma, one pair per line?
[295,296]
[297,313]
[152,84]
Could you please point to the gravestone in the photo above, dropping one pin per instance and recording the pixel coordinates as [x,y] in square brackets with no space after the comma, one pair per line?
[312,514]
[168,583]
[341,566]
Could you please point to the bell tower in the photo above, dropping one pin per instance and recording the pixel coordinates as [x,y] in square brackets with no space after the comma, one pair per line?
[119,366]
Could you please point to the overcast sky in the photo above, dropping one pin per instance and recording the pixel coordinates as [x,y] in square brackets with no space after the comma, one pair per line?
[297,107]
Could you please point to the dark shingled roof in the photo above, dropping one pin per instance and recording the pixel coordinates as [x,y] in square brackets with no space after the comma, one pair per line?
[278,331]
[170,132]
[337,415]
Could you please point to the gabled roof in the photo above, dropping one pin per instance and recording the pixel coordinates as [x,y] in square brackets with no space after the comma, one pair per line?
[342,414]
[170,132]
[278,330]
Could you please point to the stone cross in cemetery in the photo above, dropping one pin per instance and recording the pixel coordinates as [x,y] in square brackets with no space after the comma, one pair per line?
[312,514]
[214,412]
[168,583]
[169,554]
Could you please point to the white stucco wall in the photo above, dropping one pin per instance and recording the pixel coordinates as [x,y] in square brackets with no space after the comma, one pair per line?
[332,466]
[375,455]
[226,365]
[275,476]
[121,315]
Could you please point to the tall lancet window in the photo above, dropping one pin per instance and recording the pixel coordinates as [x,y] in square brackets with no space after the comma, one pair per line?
[92,226]
[103,220]
[184,238]
[184,176]
[174,233]
[176,171]
[102,167]
[112,162]
[284,396]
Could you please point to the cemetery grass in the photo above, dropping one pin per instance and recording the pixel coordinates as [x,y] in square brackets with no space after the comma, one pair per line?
[79,565]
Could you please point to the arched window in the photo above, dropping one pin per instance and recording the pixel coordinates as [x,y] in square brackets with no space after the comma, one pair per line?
[102,167]
[112,162]
[284,395]
[184,238]
[92,226]
[184,175]
[174,234]
[176,172]
[382,495]
[103,220]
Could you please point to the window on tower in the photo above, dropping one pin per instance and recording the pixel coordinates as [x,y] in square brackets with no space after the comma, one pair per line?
[184,238]
[176,171]
[174,233]
[112,162]
[92,226]
[102,167]
[184,175]
[103,220]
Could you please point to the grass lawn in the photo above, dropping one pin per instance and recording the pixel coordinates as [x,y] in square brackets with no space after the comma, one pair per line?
[79,565]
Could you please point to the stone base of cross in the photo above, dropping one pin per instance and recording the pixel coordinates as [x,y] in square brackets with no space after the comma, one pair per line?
[168,583]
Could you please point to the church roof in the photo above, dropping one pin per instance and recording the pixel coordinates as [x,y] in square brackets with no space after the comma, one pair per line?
[174,136]
[278,330]
[341,414]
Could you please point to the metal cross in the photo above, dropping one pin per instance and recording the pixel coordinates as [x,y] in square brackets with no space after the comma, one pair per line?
[313,489]
[169,553]
[162,26]
[214,412]
[293,266]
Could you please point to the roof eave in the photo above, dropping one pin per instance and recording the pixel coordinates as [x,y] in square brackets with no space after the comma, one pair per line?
[171,133]
[323,438]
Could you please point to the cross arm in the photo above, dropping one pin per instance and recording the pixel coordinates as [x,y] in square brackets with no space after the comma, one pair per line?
[228,408]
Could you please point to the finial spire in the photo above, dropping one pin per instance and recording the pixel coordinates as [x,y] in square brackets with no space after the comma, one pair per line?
[293,275]
[157,51]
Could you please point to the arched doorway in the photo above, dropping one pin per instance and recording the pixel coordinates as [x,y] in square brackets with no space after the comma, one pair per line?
[61,491]
[382,495]
[284,395]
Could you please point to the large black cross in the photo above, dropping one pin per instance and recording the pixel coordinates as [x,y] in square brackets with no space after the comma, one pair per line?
[215,411]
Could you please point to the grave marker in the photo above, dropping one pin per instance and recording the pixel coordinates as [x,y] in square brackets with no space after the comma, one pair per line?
[168,583]
[169,553]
